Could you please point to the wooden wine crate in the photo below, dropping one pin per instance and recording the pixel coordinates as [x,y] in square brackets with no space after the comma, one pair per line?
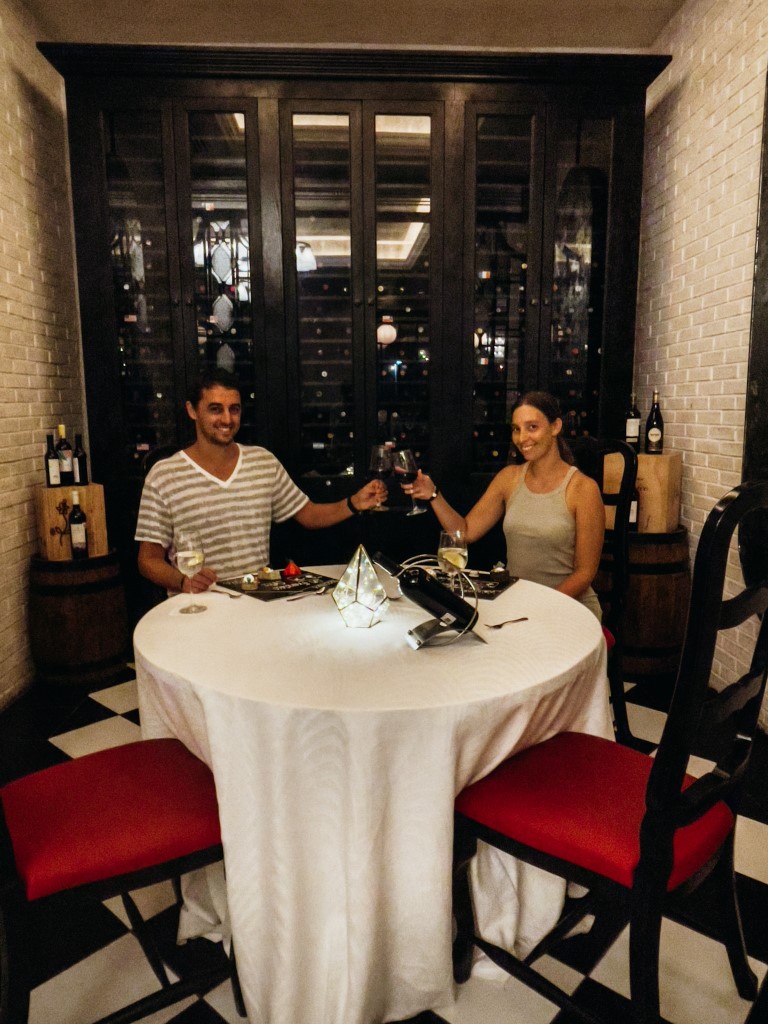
[53,505]
[659,483]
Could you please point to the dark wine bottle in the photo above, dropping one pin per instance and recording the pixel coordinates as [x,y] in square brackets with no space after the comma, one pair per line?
[64,454]
[80,461]
[632,425]
[78,529]
[654,428]
[52,472]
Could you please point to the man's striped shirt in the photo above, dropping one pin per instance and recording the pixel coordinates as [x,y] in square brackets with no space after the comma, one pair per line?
[232,517]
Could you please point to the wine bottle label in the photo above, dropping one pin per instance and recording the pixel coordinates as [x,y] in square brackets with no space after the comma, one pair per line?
[654,435]
[65,458]
[76,470]
[632,432]
[54,474]
[78,536]
[633,511]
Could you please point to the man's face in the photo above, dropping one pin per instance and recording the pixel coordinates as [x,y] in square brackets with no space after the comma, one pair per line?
[217,415]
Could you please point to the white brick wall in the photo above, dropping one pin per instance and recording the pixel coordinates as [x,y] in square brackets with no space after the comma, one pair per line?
[701,174]
[40,364]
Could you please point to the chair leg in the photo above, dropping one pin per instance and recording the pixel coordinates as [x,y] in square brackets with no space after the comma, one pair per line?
[464,849]
[237,992]
[644,940]
[15,957]
[141,932]
[619,702]
[730,922]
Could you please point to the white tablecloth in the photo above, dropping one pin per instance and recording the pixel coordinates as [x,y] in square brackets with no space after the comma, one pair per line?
[337,755]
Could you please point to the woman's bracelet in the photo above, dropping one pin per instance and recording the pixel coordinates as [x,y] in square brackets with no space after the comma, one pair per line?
[351,507]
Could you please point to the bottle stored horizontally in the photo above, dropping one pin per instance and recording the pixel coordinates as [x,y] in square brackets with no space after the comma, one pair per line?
[52,473]
[64,454]
[80,461]
[78,528]
[654,428]
[632,425]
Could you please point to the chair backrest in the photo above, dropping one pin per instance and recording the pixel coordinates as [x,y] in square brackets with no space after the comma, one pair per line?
[731,712]
[161,451]
[613,465]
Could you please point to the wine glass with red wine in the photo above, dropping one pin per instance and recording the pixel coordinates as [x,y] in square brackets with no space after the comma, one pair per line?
[406,472]
[380,468]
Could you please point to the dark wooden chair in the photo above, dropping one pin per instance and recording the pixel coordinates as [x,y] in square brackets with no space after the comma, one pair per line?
[100,826]
[617,488]
[638,832]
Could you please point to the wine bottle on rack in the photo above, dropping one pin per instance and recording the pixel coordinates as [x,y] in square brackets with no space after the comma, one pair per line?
[52,473]
[632,425]
[654,428]
[64,455]
[80,461]
[78,529]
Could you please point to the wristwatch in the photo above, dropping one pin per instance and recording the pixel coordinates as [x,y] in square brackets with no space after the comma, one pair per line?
[351,507]
[433,495]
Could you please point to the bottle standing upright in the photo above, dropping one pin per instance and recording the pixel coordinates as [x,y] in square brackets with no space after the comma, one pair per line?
[654,428]
[80,462]
[52,472]
[632,425]
[64,453]
[78,529]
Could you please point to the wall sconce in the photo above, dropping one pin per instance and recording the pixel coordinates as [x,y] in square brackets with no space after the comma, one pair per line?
[386,332]
[305,258]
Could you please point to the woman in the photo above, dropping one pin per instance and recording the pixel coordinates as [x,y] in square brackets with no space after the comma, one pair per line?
[553,514]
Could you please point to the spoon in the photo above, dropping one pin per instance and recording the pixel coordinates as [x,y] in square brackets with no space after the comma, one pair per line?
[221,590]
[506,622]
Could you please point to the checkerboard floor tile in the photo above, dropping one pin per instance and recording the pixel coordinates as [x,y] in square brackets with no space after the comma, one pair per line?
[95,965]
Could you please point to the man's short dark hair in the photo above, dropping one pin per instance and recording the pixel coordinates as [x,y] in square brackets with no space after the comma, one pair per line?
[211,378]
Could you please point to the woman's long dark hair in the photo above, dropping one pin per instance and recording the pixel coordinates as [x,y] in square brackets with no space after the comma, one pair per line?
[548,406]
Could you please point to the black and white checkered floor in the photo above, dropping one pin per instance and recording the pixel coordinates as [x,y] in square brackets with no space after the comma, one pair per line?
[93,965]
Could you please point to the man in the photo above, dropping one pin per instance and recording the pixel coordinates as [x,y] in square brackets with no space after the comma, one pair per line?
[229,494]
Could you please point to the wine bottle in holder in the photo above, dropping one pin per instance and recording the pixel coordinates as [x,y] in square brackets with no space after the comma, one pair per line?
[52,472]
[64,454]
[632,425]
[654,428]
[80,462]
[78,528]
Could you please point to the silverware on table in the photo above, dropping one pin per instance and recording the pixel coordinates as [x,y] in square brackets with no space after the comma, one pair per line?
[316,591]
[506,622]
[215,589]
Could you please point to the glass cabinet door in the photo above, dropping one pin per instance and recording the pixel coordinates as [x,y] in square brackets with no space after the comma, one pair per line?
[502,336]
[222,302]
[403,198]
[136,205]
[573,370]
[322,258]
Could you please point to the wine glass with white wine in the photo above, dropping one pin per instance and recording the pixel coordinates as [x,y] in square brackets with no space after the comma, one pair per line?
[452,555]
[190,559]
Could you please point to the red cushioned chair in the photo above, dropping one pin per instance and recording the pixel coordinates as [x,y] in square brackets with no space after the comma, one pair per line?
[101,826]
[638,832]
[613,576]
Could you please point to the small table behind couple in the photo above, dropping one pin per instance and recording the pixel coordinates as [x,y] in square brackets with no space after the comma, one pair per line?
[337,754]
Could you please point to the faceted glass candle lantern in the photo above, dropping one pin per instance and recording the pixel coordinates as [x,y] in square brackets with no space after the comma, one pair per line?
[360,595]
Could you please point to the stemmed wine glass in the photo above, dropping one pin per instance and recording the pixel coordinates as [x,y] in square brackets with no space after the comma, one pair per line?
[452,554]
[189,559]
[406,469]
[380,468]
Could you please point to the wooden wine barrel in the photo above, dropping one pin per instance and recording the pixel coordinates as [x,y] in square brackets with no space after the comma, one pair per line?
[78,622]
[657,604]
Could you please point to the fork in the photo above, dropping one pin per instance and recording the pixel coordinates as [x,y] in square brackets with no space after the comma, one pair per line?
[312,593]
[506,622]
[216,589]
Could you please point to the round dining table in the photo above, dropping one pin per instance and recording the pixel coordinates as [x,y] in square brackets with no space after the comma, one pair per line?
[337,754]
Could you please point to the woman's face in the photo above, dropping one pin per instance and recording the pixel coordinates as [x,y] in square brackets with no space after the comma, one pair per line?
[532,433]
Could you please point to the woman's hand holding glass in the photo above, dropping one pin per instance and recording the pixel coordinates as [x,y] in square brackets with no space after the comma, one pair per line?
[422,488]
